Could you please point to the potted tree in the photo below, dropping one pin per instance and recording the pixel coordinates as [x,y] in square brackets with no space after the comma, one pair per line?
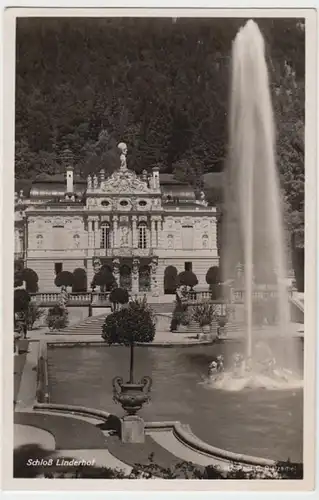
[204,314]
[64,279]
[21,304]
[33,314]
[57,317]
[187,279]
[79,280]
[118,296]
[213,280]
[128,326]
[105,279]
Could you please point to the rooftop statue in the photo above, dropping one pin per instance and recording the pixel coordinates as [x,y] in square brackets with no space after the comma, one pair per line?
[123,153]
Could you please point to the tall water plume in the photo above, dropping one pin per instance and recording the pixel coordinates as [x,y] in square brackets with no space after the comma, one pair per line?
[254,216]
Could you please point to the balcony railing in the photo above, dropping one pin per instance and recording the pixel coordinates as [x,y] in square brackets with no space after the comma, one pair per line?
[74,299]
[123,252]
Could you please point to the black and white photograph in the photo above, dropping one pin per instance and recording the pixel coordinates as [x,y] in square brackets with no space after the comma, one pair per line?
[159,292]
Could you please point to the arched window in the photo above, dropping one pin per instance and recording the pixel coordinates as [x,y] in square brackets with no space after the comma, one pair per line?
[39,241]
[142,235]
[105,235]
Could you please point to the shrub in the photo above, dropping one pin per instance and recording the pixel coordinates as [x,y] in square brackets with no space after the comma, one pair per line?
[204,314]
[104,279]
[79,280]
[187,278]
[64,278]
[119,296]
[170,279]
[213,276]
[29,276]
[21,301]
[57,318]
[181,316]
[136,323]
[33,314]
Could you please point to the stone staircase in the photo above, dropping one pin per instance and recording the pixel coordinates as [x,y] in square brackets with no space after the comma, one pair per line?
[93,324]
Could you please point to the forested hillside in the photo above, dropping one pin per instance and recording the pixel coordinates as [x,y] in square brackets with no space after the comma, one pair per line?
[160,85]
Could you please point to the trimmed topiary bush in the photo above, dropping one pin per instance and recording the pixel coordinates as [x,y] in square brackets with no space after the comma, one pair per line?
[79,280]
[57,318]
[104,279]
[136,323]
[65,279]
[187,278]
[118,296]
[170,280]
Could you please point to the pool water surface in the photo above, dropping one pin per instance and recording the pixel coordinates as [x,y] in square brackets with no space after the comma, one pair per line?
[263,423]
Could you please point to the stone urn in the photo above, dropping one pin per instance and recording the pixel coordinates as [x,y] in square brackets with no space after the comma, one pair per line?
[131,396]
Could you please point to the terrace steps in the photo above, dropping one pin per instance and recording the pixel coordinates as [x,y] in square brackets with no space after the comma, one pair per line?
[93,324]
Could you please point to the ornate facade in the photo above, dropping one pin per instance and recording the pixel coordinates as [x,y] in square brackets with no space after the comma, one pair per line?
[135,225]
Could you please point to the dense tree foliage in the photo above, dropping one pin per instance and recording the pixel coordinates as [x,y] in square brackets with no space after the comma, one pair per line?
[118,296]
[79,280]
[105,279]
[162,86]
[130,325]
[64,278]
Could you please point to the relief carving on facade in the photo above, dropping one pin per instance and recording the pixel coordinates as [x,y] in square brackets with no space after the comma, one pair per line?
[124,232]
[135,267]
[170,241]
[96,265]
[154,283]
[124,181]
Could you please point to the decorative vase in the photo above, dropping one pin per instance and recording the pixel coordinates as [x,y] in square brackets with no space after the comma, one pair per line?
[132,396]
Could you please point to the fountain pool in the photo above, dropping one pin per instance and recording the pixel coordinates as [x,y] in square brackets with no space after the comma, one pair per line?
[257,422]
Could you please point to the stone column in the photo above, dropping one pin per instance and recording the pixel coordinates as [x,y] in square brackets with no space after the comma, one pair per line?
[89,272]
[115,225]
[154,283]
[135,276]
[213,233]
[96,233]
[90,233]
[153,233]
[160,233]
[134,231]
[116,270]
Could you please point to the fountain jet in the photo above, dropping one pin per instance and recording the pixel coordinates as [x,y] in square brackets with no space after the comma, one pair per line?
[254,215]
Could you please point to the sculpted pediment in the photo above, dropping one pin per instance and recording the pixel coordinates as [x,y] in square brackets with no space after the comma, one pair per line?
[124,182]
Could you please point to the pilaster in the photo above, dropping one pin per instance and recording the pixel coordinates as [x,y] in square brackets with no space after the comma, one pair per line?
[135,276]
[115,231]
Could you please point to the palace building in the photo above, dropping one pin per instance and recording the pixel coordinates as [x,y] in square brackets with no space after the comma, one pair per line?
[138,226]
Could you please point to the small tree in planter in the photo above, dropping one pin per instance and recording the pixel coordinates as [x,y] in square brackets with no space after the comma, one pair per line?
[130,325]
[31,279]
[79,280]
[33,314]
[188,279]
[64,279]
[21,304]
[213,279]
[57,318]
[118,296]
[28,276]
[204,314]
